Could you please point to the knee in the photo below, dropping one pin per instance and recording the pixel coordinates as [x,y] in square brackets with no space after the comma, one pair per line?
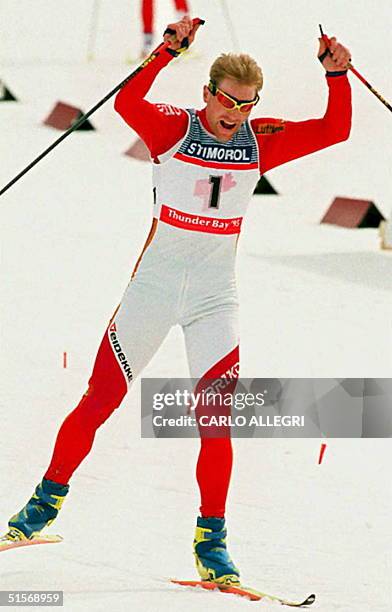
[107,391]
[101,399]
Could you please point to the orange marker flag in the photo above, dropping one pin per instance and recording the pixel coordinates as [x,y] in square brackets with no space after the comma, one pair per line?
[322,451]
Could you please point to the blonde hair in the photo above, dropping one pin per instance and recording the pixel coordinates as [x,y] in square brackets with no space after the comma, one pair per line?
[241,68]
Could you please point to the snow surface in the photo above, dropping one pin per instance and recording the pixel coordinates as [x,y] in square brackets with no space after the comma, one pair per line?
[316,302]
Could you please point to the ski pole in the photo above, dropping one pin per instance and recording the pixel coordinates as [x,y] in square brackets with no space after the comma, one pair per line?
[93,29]
[84,117]
[230,26]
[358,74]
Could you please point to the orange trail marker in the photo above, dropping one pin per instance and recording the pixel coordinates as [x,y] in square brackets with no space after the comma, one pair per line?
[322,451]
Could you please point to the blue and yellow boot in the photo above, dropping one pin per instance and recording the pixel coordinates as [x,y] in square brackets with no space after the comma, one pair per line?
[212,559]
[40,511]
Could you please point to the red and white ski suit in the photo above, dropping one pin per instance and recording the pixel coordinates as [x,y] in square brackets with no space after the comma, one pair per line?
[185,274]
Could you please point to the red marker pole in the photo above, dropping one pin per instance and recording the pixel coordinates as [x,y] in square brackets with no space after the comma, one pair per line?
[64,360]
[322,451]
[358,74]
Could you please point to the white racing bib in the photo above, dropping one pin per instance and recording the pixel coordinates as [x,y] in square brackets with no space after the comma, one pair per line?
[205,185]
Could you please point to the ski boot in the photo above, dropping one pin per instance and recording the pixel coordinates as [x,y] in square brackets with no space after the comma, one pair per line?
[39,512]
[212,559]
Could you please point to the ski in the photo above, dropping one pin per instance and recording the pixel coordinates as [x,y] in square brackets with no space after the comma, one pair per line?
[10,540]
[247,592]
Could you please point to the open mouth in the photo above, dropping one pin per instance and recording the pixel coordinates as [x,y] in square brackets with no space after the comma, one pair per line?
[226,125]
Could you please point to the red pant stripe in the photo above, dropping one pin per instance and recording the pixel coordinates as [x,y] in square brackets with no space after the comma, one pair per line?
[215,460]
[107,387]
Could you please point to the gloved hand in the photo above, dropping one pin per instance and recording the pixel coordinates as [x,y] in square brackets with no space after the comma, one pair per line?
[182,33]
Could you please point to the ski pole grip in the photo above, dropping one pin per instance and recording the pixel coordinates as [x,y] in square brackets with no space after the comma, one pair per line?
[325,38]
[327,41]
[185,41]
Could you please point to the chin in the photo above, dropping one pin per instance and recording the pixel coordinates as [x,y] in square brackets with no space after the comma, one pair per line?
[224,136]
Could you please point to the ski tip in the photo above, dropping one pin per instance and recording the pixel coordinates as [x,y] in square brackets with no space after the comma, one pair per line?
[246,592]
[54,538]
[6,543]
[298,604]
[309,600]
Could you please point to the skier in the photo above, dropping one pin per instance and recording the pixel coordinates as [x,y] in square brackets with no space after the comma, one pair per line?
[147,11]
[206,165]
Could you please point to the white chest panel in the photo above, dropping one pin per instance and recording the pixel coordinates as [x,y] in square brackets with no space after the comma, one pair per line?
[203,184]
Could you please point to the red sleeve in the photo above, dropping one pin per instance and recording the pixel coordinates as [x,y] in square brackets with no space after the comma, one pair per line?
[282,141]
[159,125]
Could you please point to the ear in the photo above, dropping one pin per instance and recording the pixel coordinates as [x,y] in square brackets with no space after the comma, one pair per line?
[206,94]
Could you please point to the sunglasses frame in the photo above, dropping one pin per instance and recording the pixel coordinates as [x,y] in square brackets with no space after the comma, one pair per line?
[214,89]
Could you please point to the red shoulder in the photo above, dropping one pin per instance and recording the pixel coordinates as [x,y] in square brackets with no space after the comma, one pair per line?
[268,125]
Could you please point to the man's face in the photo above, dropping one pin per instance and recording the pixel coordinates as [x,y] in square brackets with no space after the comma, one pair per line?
[223,122]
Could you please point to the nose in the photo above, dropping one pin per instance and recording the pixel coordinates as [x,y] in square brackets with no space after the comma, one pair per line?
[234,115]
